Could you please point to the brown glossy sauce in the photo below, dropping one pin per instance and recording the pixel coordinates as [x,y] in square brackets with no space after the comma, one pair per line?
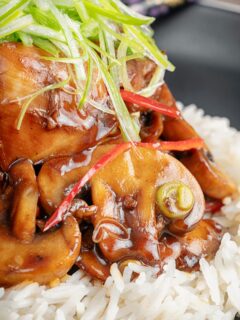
[116,213]
[52,126]
[124,233]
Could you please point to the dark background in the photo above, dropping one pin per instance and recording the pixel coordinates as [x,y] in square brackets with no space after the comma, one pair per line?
[204,45]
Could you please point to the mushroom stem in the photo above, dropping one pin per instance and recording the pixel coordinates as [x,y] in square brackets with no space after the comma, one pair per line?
[25,200]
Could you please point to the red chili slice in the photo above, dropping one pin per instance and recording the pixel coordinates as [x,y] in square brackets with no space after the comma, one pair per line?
[183,145]
[149,104]
[65,205]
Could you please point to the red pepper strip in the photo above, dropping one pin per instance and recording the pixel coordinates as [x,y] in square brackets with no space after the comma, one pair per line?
[184,145]
[213,206]
[108,157]
[149,103]
[58,215]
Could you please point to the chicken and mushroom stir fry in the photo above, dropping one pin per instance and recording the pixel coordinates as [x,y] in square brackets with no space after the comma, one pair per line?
[141,202]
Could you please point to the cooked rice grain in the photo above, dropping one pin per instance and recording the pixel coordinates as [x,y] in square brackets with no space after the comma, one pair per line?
[213,293]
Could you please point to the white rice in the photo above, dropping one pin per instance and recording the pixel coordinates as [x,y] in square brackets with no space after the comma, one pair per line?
[213,293]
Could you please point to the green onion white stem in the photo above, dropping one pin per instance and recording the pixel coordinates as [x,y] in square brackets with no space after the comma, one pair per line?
[10,7]
[16,25]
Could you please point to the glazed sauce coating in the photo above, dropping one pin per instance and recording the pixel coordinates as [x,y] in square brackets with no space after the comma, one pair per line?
[127,224]
[52,126]
[118,216]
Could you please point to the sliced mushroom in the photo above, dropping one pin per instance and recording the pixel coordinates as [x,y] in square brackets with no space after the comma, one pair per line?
[202,241]
[140,172]
[90,258]
[97,268]
[25,200]
[213,182]
[57,176]
[47,257]
[25,254]
[120,230]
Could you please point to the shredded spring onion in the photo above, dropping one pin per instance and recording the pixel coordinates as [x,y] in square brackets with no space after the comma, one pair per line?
[44,32]
[122,18]
[45,45]
[11,7]
[62,60]
[88,83]
[25,38]
[153,50]
[83,34]
[11,17]
[16,25]
[155,82]
[73,47]
[128,128]
[122,52]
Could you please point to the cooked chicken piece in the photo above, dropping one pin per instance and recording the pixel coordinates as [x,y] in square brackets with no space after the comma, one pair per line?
[140,72]
[53,125]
